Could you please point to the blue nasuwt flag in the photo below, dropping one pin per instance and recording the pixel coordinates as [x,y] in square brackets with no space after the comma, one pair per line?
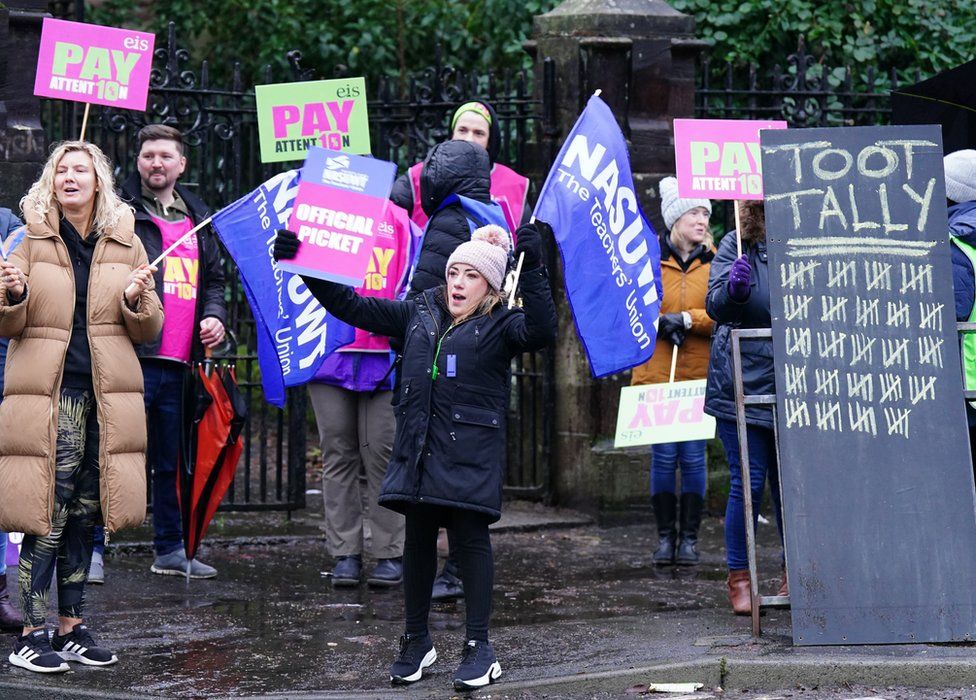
[294,332]
[611,257]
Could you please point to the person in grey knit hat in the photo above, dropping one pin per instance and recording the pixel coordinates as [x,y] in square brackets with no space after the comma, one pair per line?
[673,206]
[960,176]
[686,255]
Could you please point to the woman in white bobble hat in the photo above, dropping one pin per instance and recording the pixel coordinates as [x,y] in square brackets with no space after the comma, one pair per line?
[448,461]
[686,256]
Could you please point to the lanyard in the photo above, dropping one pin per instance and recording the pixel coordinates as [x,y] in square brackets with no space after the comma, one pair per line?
[437,352]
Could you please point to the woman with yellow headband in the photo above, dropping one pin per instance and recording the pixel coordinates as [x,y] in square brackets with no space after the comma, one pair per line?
[478,123]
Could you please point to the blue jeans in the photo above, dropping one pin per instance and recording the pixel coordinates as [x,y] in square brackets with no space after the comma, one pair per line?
[690,455]
[762,463]
[164,421]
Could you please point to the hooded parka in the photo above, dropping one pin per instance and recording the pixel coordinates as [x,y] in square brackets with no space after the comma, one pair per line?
[453,167]
[40,327]
[450,442]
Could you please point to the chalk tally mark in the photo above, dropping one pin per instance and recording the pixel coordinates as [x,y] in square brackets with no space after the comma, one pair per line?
[797,413]
[828,416]
[797,306]
[890,387]
[931,316]
[921,389]
[896,420]
[827,382]
[798,275]
[861,419]
[860,386]
[798,342]
[796,379]
[930,351]
[862,349]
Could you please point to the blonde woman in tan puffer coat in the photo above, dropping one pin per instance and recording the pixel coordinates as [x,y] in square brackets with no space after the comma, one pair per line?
[77,293]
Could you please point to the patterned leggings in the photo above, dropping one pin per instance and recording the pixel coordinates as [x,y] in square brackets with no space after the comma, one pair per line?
[76,511]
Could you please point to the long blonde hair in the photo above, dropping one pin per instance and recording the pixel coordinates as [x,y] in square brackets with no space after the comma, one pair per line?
[41,199]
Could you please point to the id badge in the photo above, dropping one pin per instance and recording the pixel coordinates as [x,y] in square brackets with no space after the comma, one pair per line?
[452,365]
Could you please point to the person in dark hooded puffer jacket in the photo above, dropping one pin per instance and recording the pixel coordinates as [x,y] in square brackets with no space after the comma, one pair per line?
[448,462]
[452,168]
[738,297]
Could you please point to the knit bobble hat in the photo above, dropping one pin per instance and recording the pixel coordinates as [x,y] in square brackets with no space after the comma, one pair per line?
[486,252]
[960,175]
[673,206]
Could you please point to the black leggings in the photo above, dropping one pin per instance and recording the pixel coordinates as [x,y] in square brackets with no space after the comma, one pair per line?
[470,544]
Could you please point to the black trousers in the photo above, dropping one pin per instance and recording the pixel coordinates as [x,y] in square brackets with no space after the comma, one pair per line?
[470,545]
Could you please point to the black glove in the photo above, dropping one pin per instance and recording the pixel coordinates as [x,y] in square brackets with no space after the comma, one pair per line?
[530,245]
[672,327]
[285,245]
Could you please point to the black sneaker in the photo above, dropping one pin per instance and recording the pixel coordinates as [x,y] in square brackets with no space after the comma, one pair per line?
[416,654]
[78,645]
[33,652]
[478,668]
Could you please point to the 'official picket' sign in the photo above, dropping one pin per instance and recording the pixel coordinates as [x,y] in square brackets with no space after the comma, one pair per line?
[90,63]
[341,201]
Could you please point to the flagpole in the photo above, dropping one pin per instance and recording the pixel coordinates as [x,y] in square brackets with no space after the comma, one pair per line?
[518,271]
[738,231]
[84,121]
[674,363]
[175,245]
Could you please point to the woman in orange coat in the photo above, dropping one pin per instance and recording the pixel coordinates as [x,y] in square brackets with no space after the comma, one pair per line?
[686,255]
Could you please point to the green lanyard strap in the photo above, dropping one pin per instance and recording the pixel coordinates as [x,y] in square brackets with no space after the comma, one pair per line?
[437,353]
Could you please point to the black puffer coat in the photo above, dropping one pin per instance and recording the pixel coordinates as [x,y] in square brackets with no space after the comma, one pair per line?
[728,314]
[453,167]
[450,440]
[210,285]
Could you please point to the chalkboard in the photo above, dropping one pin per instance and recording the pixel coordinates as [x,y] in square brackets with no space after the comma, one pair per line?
[878,486]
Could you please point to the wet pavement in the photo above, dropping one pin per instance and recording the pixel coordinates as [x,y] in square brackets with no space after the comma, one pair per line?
[579,612]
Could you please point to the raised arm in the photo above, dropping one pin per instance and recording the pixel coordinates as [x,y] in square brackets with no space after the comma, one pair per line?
[536,327]
[381,316]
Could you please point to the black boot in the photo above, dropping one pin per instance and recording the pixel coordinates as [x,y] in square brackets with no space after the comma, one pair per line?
[665,513]
[691,515]
[9,617]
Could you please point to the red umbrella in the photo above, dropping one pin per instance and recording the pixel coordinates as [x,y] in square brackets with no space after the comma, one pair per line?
[217,420]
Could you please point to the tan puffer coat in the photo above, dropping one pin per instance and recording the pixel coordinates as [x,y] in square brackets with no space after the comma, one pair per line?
[40,327]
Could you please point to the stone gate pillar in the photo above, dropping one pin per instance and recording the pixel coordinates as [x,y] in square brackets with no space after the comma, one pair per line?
[22,144]
[641,54]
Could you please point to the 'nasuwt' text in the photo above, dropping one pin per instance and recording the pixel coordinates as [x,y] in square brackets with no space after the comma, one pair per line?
[616,220]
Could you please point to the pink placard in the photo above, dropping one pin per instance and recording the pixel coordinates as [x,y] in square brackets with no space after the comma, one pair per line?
[90,63]
[719,158]
[335,228]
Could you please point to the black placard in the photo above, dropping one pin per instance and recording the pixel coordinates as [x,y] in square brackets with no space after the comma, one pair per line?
[878,484]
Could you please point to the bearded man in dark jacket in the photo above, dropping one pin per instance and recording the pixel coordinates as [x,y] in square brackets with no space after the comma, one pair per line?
[190,283]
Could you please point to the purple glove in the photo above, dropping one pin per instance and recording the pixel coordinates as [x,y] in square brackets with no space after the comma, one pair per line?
[739,278]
